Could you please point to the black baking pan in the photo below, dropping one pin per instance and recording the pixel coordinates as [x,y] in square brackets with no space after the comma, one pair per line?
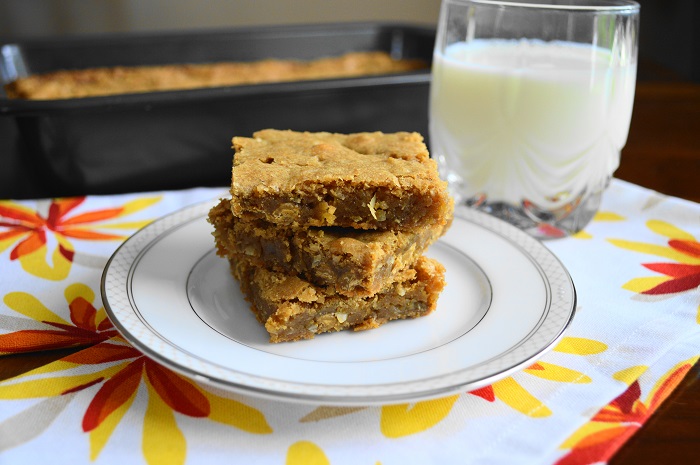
[179,139]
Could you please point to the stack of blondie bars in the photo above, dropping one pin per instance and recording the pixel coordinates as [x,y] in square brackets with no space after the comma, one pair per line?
[327,231]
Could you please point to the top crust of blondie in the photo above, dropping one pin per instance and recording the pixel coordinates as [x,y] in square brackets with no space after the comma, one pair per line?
[364,180]
[77,83]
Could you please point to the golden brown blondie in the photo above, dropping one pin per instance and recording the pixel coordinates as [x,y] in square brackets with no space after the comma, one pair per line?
[352,262]
[362,181]
[292,308]
[92,82]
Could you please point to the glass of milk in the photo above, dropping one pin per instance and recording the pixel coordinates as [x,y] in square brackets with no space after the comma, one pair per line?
[530,105]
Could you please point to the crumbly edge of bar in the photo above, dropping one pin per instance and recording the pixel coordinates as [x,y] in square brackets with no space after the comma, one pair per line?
[354,263]
[292,309]
[359,207]
[229,244]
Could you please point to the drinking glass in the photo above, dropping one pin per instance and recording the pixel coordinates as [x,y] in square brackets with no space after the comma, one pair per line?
[530,105]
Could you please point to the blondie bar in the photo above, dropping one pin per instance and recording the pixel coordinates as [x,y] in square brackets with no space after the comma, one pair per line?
[362,181]
[292,308]
[352,262]
[92,82]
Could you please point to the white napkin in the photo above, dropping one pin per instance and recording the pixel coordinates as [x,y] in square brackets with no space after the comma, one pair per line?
[636,268]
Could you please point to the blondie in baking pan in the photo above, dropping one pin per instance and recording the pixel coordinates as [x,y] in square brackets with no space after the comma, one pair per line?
[181,138]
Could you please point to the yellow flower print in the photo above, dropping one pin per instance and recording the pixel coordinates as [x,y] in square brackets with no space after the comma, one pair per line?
[27,232]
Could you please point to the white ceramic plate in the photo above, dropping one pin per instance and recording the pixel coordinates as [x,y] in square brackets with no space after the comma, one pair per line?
[507,301]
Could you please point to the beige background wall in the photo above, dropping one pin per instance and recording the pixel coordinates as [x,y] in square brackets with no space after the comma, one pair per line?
[32,18]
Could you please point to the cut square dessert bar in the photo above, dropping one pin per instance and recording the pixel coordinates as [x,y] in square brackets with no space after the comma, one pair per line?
[362,181]
[292,308]
[352,262]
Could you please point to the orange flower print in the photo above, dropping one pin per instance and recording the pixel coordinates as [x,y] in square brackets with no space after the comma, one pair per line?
[680,275]
[27,232]
[88,325]
[167,390]
[512,393]
[119,370]
[608,430]
[682,248]
[407,419]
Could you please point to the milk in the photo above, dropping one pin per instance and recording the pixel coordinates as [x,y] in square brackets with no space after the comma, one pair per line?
[529,120]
